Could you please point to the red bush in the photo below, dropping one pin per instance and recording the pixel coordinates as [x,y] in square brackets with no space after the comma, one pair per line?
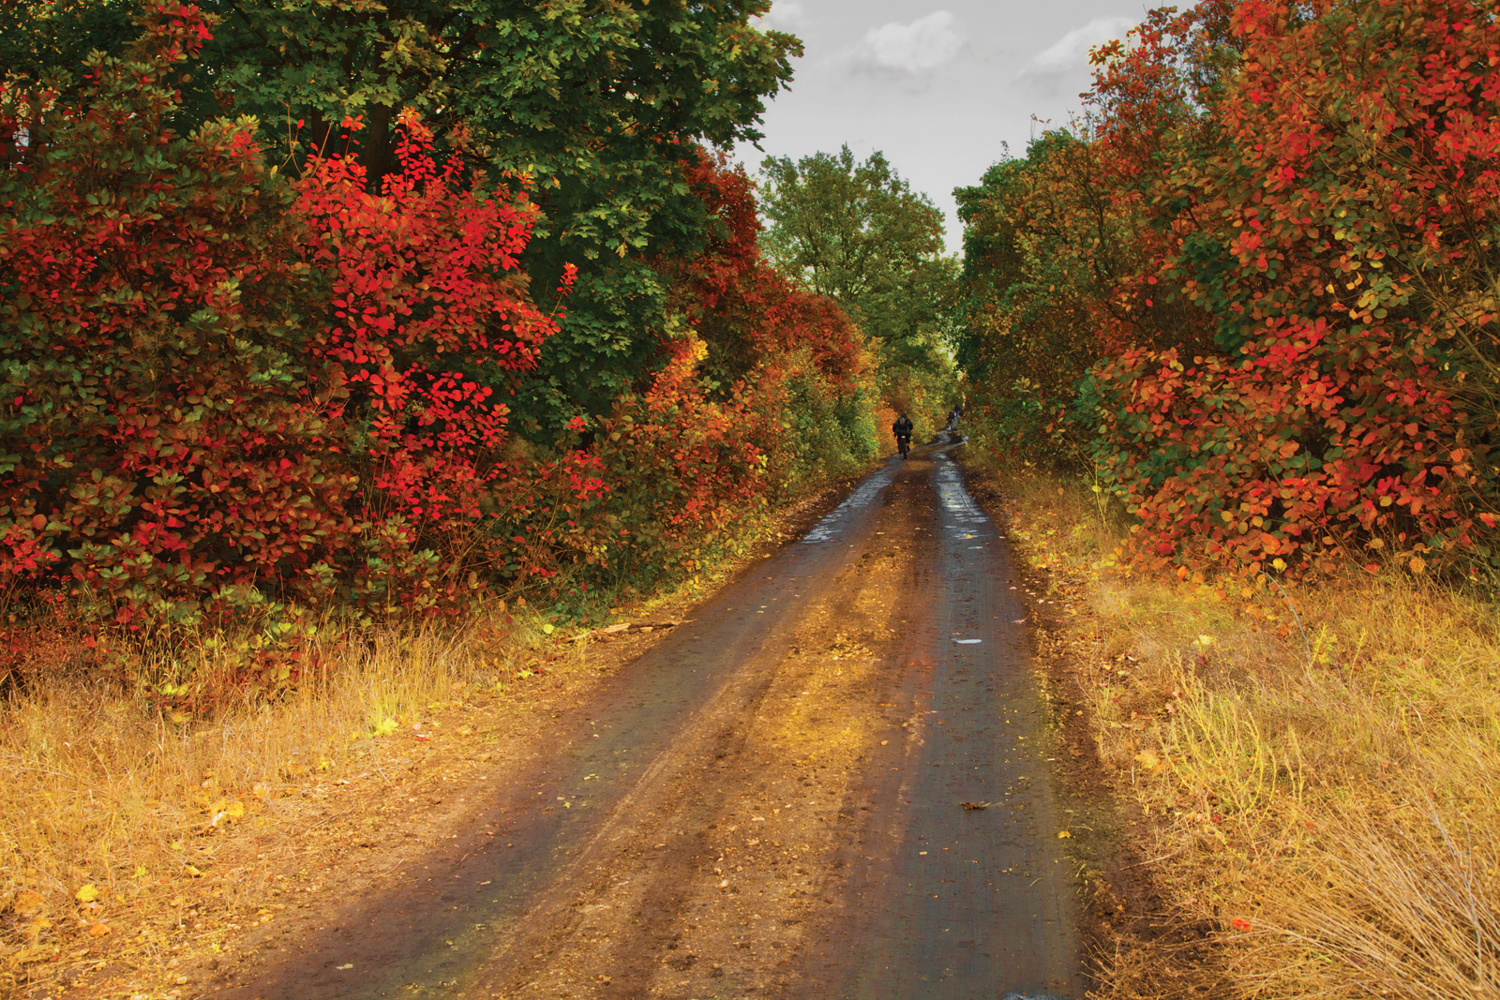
[220,385]
[1292,273]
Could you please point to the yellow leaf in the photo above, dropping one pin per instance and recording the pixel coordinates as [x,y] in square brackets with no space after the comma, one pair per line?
[235,809]
[87,894]
[1064,835]
[140,871]
[192,870]
[98,930]
[28,904]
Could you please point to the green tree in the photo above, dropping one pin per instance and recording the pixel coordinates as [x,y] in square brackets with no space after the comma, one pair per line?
[857,233]
[598,103]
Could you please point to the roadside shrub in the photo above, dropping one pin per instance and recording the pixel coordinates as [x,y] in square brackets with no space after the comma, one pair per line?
[1259,284]
[221,384]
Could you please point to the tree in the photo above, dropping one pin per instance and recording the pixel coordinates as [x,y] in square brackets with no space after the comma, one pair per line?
[221,387]
[600,105]
[1283,264]
[857,233]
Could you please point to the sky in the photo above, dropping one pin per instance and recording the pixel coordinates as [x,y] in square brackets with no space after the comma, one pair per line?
[939,88]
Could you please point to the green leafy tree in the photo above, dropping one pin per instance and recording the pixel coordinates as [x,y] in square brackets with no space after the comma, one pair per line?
[600,104]
[857,233]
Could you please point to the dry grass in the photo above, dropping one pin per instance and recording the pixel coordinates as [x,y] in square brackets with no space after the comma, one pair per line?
[129,841]
[110,813]
[1332,819]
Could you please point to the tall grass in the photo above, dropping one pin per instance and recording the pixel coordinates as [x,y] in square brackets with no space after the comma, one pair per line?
[98,790]
[1328,807]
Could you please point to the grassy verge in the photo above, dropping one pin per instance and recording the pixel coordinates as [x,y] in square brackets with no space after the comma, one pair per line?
[131,846]
[1313,778]
[115,822]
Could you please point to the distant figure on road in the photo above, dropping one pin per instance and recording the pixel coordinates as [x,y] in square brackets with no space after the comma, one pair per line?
[903,428]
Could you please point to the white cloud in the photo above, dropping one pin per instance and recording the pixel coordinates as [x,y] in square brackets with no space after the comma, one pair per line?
[783,17]
[1071,51]
[915,48]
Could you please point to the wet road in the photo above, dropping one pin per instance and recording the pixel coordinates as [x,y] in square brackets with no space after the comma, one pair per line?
[768,803]
[966,902]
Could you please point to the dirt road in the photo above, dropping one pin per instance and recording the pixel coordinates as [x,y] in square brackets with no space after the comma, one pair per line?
[769,803]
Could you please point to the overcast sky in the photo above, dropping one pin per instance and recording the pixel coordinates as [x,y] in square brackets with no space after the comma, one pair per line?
[937,87]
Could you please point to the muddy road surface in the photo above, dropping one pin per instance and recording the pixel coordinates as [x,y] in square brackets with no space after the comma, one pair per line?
[832,783]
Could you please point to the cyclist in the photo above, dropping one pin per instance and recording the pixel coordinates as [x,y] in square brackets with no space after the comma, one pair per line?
[903,428]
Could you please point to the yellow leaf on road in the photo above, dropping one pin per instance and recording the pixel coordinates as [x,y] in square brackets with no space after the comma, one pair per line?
[1064,835]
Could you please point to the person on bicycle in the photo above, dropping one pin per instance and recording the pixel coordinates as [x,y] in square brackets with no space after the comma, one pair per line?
[903,428]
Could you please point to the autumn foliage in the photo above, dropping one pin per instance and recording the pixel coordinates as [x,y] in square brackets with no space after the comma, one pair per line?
[1279,233]
[226,387]
[241,392]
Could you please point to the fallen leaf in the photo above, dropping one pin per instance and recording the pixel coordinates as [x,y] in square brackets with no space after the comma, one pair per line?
[1064,835]
[28,904]
[1148,760]
[976,805]
[99,930]
[87,894]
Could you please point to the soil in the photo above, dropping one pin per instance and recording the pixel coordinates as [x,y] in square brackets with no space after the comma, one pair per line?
[843,775]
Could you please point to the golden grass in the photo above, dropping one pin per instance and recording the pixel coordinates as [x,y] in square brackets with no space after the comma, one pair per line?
[1333,818]
[110,812]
